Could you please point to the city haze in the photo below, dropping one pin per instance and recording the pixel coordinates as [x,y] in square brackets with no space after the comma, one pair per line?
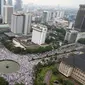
[66,3]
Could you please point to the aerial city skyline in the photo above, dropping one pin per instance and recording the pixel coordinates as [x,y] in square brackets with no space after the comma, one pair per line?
[66,3]
[40,40]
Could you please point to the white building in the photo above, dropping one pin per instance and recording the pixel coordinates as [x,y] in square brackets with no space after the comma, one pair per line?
[21,23]
[27,26]
[60,14]
[1,7]
[70,25]
[17,23]
[39,34]
[60,22]
[7,13]
[51,15]
[71,36]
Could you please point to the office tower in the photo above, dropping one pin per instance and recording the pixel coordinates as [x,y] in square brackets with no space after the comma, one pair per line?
[71,36]
[45,16]
[39,34]
[21,23]
[1,7]
[5,2]
[27,24]
[9,2]
[7,13]
[51,15]
[60,14]
[17,23]
[80,19]
[18,5]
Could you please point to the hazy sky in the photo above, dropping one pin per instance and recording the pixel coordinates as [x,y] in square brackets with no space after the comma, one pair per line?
[73,3]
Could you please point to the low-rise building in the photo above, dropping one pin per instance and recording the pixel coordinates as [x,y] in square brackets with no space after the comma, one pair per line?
[58,22]
[4,28]
[24,41]
[74,66]
[10,35]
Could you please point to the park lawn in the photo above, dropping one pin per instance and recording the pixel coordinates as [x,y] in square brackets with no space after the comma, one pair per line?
[53,77]
[42,73]
[44,70]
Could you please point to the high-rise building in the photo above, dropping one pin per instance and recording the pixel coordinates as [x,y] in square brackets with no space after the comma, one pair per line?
[47,16]
[9,2]
[7,13]
[21,23]
[17,23]
[18,5]
[44,17]
[27,24]
[1,7]
[60,14]
[51,15]
[39,34]
[80,19]
[5,2]
[71,36]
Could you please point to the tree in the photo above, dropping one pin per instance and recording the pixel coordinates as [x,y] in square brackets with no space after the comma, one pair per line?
[67,82]
[18,5]
[65,42]
[55,71]
[81,40]
[61,30]
[60,80]
[3,81]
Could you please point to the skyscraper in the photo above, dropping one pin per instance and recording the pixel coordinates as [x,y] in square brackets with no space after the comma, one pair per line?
[1,7]
[80,19]
[21,23]
[27,23]
[7,13]
[17,23]
[46,16]
[9,2]
[18,5]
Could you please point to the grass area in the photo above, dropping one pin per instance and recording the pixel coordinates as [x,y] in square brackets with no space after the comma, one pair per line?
[41,75]
[55,76]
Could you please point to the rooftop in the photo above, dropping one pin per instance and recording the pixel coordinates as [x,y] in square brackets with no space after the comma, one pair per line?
[82,5]
[39,26]
[10,34]
[76,60]
[4,26]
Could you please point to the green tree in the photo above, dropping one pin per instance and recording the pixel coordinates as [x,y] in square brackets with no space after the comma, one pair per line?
[3,81]
[67,82]
[81,40]
[60,80]
[55,71]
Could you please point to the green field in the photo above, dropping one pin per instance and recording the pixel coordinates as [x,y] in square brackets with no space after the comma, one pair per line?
[55,76]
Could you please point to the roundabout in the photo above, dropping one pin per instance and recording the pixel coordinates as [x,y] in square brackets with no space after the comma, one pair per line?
[16,68]
[8,66]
